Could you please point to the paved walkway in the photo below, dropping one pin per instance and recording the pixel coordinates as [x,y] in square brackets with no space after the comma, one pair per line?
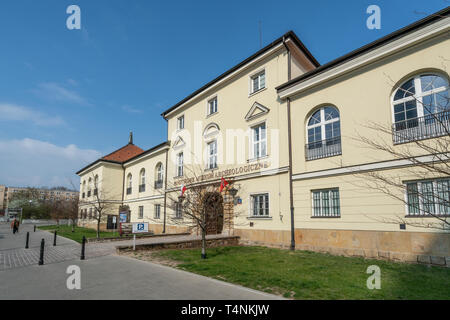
[103,275]
[14,255]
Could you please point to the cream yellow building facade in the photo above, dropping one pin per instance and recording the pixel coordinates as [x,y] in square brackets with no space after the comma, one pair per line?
[288,135]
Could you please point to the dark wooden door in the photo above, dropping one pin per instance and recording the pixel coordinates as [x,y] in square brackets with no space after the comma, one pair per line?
[214,212]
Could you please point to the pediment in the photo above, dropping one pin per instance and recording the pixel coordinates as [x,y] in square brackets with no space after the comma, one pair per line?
[179,143]
[211,130]
[256,111]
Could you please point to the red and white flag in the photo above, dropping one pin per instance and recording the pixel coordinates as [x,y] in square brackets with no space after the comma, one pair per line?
[183,189]
[223,184]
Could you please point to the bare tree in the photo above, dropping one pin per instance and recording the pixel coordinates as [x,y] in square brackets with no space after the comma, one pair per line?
[201,208]
[423,144]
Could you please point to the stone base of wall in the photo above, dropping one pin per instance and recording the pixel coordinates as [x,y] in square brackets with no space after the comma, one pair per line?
[184,244]
[156,228]
[93,225]
[138,236]
[417,247]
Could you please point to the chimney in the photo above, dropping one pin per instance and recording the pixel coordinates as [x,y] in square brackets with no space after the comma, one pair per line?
[131,138]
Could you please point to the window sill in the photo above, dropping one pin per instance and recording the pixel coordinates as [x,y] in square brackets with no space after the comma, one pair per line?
[257,159]
[211,114]
[427,216]
[259,218]
[256,92]
[325,217]
[210,169]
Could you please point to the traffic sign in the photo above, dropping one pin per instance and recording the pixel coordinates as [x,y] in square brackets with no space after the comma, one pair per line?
[140,227]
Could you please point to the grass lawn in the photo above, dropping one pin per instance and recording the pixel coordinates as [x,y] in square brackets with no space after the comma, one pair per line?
[310,275]
[66,231]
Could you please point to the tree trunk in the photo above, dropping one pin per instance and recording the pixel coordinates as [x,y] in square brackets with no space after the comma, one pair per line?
[98,229]
[73,225]
[203,243]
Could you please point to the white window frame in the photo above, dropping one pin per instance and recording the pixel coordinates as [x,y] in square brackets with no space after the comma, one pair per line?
[418,95]
[159,171]
[212,158]
[323,123]
[321,213]
[260,142]
[251,206]
[257,75]
[208,106]
[129,180]
[180,164]
[141,212]
[422,213]
[178,210]
[157,209]
[180,121]
[142,176]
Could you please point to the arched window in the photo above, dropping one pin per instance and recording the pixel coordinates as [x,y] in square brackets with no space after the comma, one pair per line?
[421,108]
[129,183]
[324,133]
[142,180]
[159,172]
[83,189]
[95,185]
[89,187]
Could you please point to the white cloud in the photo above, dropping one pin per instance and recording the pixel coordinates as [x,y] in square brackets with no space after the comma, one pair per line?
[12,112]
[56,92]
[131,109]
[30,162]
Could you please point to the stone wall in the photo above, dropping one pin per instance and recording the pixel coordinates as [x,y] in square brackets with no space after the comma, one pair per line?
[185,244]
[418,247]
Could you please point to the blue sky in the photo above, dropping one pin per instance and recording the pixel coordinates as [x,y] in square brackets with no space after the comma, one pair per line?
[70,96]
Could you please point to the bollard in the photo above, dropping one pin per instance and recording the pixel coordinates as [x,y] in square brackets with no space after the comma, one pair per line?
[28,240]
[41,254]
[54,239]
[34,230]
[83,244]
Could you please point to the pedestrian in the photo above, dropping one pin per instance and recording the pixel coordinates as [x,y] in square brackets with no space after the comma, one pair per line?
[14,225]
[17,225]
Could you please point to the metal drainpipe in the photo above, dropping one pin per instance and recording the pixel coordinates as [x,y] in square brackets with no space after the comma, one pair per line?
[123,189]
[165,191]
[291,197]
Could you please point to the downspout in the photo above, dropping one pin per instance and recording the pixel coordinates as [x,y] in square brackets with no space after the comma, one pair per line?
[291,197]
[165,191]
[123,188]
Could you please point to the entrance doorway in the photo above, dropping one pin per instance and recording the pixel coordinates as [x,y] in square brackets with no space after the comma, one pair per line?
[111,222]
[213,203]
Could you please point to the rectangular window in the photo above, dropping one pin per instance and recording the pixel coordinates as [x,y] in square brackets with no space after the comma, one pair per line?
[428,197]
[212,155]
[141,212]
[180,122]
[258,82]
[157,211]
[180,164]
[212,106]
[178,210]
[326,203]
[259,141]
[260,205]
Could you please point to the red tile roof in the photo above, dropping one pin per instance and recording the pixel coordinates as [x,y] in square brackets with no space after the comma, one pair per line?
[123,154]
